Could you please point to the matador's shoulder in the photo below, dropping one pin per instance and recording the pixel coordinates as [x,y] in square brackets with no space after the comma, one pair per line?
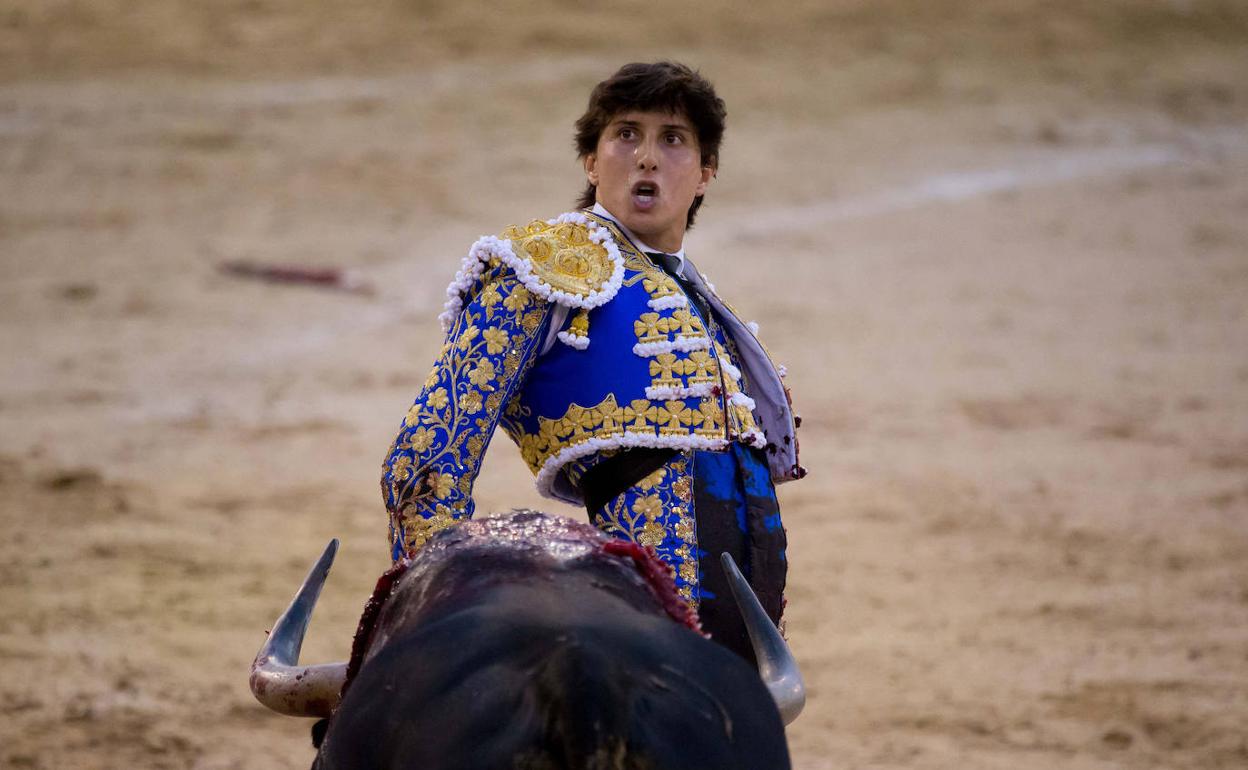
[570,260]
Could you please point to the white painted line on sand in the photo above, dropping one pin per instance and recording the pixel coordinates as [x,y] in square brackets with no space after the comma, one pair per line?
[955,186]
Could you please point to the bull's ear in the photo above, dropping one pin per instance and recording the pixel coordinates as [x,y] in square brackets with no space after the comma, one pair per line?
[776,665]
[277,679]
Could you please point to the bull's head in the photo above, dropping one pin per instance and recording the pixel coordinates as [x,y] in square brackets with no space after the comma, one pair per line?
[281,683]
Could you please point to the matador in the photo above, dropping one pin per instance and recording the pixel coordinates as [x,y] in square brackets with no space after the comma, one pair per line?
[629,385]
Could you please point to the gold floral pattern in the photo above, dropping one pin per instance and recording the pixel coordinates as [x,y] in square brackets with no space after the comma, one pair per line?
[412,414]
[650,513]
[420,439]
[470,402]
[490,295]
[650,506]
[483,374]
[441,484]
[427,479]
[654,479]
[683,488]
[495,340]
[518,299]
[418,529]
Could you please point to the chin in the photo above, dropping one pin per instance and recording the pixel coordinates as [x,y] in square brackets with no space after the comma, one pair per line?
[648,223]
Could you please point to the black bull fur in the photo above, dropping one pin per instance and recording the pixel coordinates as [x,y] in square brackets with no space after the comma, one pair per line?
[522,643]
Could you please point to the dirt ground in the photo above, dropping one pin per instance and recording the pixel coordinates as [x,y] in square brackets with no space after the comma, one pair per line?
[1001,245]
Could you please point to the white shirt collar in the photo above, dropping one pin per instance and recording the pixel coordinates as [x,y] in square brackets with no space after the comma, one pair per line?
[602,212]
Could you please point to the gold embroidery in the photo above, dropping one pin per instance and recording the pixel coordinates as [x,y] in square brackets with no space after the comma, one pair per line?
[433,462]
[684,529]
[440,484]
[675,417]
[608,418]
[650,506]
[413,413]
[662,368]
[712,417]
[494,399]
[495,340]
[650,514]
[580,324]
[401,468]
[466,337]
[717,417]
[490,296]
[420,439]
[532,320]
[642,414]
[638,268]
[417,530]
[657,286]
[483,374]
[649,482]
[438,399]
[683,489]
[700,368]
[652,534]
[563,256]
[470,402]
[518,300]
[650,327]
[511,363]
[686,323]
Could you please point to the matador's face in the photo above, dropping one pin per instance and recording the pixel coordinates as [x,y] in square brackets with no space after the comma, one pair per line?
[647,169]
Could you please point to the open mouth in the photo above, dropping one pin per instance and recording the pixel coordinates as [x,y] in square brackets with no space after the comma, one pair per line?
[645,194]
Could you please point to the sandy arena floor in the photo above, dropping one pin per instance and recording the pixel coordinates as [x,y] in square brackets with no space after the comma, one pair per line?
[1001,245]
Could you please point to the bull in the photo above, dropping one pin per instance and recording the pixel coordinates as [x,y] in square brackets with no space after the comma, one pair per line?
[531,641]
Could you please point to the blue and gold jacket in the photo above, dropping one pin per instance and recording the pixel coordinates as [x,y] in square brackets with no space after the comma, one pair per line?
[633,366]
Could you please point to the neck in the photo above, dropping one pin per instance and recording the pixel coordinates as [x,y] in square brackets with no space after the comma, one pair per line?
[669,245]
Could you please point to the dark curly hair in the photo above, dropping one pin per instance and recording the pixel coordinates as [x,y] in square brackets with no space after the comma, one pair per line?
[659,87]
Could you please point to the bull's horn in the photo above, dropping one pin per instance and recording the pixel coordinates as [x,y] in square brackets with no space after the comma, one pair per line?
[277,679]
[776,664]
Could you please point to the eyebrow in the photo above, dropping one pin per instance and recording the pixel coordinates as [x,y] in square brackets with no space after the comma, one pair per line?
[665,127]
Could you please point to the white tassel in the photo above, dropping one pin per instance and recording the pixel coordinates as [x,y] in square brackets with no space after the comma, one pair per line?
[628,439]
[683,344]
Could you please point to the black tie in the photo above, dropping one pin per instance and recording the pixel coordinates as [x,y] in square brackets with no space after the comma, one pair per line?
[670,264]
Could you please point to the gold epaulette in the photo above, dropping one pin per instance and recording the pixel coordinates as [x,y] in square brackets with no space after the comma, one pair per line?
[567,256]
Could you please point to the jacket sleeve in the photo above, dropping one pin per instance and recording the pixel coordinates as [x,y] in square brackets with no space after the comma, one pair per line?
[494,337]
